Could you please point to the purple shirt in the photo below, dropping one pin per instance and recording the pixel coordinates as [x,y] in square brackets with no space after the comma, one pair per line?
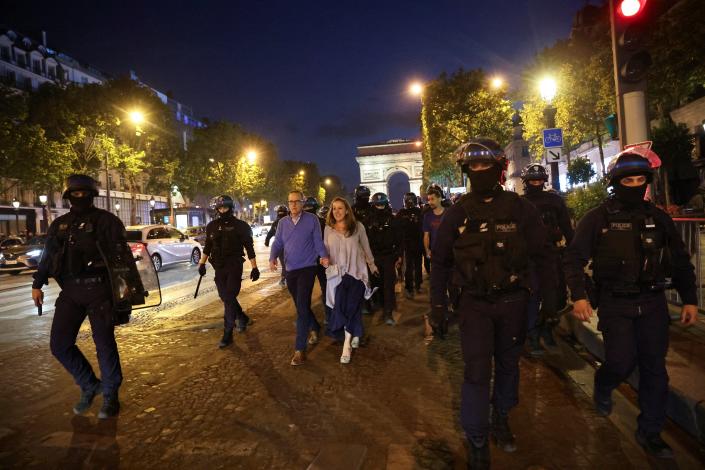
[301,243]
[431,222]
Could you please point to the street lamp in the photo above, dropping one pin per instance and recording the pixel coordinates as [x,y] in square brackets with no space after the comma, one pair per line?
[302,172]
[43,200]
[152,203]
[417,143]
[16,205]
[328,182]
[136,116]
[117,208]
[497,82]
[251,156]
[416,89]
[548,87]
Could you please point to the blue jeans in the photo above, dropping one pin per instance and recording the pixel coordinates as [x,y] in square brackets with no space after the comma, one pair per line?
[300,285]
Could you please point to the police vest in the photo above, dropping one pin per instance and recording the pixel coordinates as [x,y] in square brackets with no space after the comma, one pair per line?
[227,242]
[491,256]
[78,255]
[381,233]
[549,215]
[362,213]
[631,253]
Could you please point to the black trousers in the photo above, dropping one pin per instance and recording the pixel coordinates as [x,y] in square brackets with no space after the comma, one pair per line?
[228,280]
[385,295]
[75,302]
[490,330]
[635,332]
[414,269]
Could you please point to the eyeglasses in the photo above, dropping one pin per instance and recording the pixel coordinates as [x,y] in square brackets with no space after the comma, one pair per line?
[294,202]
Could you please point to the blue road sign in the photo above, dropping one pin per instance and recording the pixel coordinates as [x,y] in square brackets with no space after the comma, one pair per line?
[552,138]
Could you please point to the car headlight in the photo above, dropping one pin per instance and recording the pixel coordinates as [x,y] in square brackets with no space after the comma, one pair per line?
[34,253]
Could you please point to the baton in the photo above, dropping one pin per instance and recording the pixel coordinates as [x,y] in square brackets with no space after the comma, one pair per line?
[198,286]
[39,310]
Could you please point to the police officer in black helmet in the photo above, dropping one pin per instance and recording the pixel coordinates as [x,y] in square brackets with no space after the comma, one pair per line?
[386,244]
[311,206]
[556,218]
[635,249]
[72,256]
[362,209]
[227,237]
[485,242]
[410,224]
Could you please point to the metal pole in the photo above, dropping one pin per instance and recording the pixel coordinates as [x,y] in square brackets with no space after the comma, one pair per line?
[17,221]
[107,183]
[549,116]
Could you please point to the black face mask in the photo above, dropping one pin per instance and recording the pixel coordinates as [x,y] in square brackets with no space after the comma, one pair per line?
[630,196]
[531,189]
[484,182]
[81,204]
[225,215]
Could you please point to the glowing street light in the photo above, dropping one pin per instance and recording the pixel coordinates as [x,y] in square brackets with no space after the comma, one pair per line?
[136,117]
[251,156]
[417,143]
[302,172]
[212,160]
[547,88]
[496,83]
[328,182]
[416,89]
[117,206]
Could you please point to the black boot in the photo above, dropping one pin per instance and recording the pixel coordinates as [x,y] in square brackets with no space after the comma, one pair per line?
[227,338]
[87,396]
[501,432]
[654,445]
[603,403]
[110,408]
[547,335]
[243,323]
[479,453]
[535,349]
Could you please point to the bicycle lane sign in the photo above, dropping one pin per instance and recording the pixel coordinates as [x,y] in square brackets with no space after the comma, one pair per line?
[552,138]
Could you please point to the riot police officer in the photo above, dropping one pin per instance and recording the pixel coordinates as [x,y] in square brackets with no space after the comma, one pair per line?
[635,249]
[323,213]
[74,256]
[554,214]
[362,209]
[227,237]
[386,244]
[485,242]
[282,211]
[311,206]
[410,223]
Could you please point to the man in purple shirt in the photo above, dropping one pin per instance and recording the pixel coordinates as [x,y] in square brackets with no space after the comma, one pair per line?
[299,238]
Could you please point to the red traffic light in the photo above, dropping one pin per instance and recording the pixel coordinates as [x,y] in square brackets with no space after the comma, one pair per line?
[630,8]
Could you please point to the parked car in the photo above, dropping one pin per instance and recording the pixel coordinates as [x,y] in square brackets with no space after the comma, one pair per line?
[262,230]
[164,244]
[18,258]
[10,241]
[197,233]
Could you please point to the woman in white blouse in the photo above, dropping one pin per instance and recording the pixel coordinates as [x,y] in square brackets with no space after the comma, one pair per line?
[348,280]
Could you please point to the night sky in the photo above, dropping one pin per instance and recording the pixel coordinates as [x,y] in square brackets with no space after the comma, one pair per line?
[316,78]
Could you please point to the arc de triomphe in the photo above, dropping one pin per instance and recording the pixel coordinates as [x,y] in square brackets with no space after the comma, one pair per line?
[379,162]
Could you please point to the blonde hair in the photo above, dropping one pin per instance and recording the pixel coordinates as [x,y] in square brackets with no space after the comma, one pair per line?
[350,221]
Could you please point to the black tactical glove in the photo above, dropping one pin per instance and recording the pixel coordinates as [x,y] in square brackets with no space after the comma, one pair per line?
[254,274]
[438,319]
[202,269]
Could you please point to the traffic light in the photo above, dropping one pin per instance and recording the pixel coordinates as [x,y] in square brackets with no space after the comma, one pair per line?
[631,59]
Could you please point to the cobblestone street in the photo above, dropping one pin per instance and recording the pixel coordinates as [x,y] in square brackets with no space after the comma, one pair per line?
[187,404]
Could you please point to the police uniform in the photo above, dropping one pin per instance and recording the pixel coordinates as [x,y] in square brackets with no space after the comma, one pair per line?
[362,209]
[282,212]
[72,257]
[410,224]
[484,245]
[385,239]
[227,238]
[635,249]
[555,216]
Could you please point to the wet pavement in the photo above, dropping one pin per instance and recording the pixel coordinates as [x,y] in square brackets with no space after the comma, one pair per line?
[187,404]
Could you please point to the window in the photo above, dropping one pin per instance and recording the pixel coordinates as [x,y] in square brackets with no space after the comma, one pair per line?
[5,53]
[123,183]
[157,233]
[21,60]
[37,66]
[52,72]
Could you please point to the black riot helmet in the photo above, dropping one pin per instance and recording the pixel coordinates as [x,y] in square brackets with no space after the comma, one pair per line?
[323,212]
[632,162]
[311,205]
[362,193]
[80,183]
[380,199]
[436,189]
[534,171]
[282,211]
[223,201]
[480,150]
[410,200]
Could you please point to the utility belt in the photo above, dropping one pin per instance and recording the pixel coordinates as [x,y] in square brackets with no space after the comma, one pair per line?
[496,294]
[637,289]
[85,280]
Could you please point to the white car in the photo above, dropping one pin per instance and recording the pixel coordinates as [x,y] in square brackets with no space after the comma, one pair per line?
[165,244]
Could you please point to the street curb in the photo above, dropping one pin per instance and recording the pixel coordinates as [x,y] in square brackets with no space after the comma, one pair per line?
[685,411]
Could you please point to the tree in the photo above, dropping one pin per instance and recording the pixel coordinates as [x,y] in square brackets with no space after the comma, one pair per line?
[455,109]
[674,144]
[580,171]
